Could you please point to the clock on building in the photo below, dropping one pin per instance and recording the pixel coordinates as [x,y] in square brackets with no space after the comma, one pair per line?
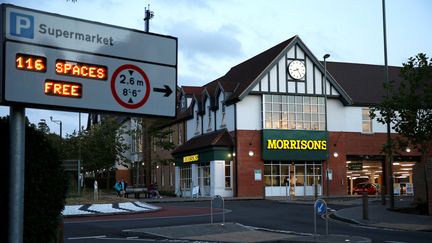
[297,69]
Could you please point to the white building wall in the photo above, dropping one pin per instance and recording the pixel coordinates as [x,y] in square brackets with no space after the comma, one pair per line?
[348,118]
[249,113]
[217,179]
[191,124]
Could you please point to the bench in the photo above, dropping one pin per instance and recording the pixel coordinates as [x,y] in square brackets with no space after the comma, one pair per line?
[136,191]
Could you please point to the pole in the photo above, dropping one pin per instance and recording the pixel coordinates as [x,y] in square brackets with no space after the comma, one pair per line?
[79,155]
[325,110]
[17,165]
[389,141]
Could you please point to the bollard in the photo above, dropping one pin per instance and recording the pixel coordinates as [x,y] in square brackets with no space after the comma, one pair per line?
[365,206]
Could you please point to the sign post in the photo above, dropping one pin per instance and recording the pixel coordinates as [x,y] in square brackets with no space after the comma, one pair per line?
[320,208]
[51,61]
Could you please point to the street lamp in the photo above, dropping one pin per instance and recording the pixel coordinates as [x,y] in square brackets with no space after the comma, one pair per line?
[59,123]
[325,110]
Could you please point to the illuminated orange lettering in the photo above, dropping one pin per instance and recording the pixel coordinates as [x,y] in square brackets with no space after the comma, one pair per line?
[57,89]
[76,70]
[101,73]
[75,90]
[66,89]
[67,67]
[30,63]
[48,87]
[84,71]
[92,72]
[60,88]
[59,67]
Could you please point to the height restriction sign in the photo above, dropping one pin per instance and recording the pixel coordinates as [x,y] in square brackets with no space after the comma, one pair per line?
[130,86]
[57,62]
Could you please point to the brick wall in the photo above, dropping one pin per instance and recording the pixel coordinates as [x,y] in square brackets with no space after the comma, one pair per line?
[247,186]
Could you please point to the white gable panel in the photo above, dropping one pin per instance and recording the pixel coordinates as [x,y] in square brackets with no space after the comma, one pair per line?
[273,80]
[300,53]
[334,92]
[264,83]
[256,87]
[282,75]
[291,87]
[318,81]
[310,76]
[291,53]
[301,87]
[328,87]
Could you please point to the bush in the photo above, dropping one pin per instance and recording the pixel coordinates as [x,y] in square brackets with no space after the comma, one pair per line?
[45,185]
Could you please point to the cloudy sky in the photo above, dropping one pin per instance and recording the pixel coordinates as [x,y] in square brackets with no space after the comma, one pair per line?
[214,35]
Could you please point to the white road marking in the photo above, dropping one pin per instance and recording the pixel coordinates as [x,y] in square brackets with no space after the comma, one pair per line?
[87,237]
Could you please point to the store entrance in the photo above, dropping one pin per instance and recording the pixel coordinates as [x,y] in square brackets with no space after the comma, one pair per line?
[367,176]
[292,179]
[364,176]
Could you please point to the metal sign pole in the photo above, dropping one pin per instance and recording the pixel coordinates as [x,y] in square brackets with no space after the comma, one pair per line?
[17,155]
[315,230]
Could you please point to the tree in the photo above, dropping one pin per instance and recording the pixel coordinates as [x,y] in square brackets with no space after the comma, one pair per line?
[103,145]
[409,109]
[45,183]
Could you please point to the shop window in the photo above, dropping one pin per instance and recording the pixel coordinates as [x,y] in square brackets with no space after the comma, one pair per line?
[185,177]
[366,121]
[228,174]
[293,112]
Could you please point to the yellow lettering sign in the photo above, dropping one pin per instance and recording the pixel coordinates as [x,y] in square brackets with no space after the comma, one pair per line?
[190,158]
[279,144]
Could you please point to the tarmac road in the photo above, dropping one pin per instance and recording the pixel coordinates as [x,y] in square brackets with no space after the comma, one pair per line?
[259,213]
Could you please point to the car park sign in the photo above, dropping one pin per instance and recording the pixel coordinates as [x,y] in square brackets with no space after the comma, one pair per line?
[58,62]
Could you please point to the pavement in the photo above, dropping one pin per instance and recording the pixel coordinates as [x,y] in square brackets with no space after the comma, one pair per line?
[378,216]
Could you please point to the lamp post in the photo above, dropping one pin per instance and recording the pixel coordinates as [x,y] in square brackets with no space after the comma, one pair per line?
[325,110]
[59,123]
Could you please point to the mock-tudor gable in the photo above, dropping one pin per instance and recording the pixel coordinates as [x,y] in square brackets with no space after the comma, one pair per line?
[275,78]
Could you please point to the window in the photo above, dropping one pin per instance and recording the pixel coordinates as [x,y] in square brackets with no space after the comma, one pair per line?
[170,136]
[197,123]
[209,127]
[185,177]
[228,174]
[180,134]
[294,112]
[223,122]
[366,121]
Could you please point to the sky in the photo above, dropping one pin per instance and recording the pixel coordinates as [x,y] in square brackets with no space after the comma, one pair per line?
[215,35]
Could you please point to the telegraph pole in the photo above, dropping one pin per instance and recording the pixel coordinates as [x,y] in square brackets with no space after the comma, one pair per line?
[145,123]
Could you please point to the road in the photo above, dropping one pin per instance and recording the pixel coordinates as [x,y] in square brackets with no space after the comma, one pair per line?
[259,213]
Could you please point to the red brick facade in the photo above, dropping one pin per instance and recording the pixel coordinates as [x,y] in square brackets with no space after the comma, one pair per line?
[344,143]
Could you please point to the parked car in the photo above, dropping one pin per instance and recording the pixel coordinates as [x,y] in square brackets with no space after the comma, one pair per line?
[370,188]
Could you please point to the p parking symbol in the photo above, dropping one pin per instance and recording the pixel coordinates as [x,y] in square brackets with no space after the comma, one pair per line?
[21,25]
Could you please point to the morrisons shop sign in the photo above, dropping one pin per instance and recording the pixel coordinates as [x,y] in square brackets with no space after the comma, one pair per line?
[294,145]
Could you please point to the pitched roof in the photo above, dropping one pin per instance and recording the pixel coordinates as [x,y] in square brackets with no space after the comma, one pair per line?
[218,138]
[363,82]
[246,72]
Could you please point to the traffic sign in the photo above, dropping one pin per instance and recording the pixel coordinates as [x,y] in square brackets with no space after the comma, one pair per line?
[58,62]
[320,207]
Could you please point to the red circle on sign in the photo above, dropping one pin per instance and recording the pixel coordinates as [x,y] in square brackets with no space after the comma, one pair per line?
[113,86]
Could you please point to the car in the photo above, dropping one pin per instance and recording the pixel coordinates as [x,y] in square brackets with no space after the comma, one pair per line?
[366,187]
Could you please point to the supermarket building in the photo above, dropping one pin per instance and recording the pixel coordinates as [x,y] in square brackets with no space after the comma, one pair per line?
[277,125]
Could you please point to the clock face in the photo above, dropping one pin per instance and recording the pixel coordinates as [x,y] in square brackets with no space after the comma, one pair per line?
[296,69]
